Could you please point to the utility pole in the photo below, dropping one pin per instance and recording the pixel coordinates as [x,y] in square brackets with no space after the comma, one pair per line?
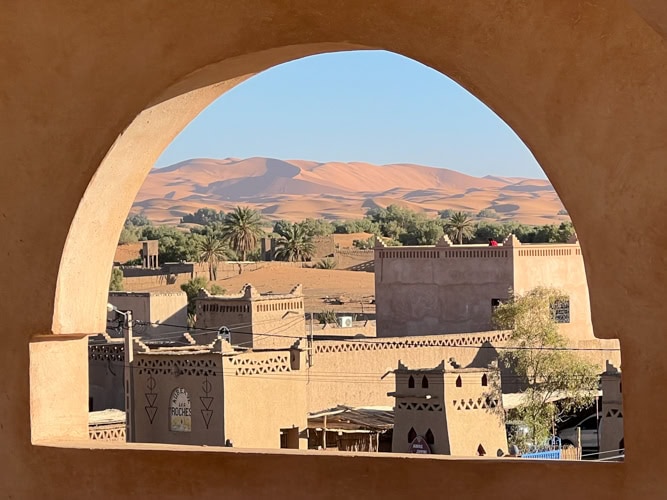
[310,344]
[129,379]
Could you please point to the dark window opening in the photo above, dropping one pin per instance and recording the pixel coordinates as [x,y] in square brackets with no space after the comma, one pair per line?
[412,435]
[411,382]
[497,302]
[485,380]
[481,451]
[459,382]
[430,439]
[560,310]
[424,382]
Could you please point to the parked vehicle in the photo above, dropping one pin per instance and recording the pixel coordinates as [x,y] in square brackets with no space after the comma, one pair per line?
[589,433]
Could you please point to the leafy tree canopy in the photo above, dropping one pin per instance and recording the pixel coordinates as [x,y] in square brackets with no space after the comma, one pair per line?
[542,362]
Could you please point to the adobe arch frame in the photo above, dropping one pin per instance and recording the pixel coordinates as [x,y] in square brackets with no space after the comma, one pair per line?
[582,83]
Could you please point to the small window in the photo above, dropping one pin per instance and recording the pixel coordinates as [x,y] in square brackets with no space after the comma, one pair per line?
[485,380]
[412,435]
[459,382]
[497,302]
[430,439]
[424,382]
[411,382]
[480,450]
[560,309]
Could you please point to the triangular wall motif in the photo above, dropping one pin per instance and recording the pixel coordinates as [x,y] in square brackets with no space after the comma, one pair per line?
[150,398]
[207,414]
[151,411]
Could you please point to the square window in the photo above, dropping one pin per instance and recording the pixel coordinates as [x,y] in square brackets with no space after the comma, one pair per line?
[560,309]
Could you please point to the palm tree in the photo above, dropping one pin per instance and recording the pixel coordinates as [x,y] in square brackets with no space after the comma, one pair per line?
[241,229]
[211,250]
[295,245]
[460,226]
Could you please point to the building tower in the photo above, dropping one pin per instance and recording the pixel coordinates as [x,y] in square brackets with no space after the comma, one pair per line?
[448,411]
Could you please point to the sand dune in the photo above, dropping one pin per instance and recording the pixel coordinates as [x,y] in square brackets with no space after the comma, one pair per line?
[296,189]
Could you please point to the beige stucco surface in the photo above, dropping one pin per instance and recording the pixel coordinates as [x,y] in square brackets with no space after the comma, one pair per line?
[90,94]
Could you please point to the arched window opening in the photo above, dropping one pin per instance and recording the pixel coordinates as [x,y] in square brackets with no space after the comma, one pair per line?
[412,435]
[430,438]
[459,382]
[424,382]
[411,382]
[485,380]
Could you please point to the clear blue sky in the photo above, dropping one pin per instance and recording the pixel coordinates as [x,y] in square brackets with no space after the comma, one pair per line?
[369,106]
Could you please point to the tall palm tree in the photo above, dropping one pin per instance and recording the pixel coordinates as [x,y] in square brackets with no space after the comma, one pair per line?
[241,229]
[295,245]
[211,250]
[460,226]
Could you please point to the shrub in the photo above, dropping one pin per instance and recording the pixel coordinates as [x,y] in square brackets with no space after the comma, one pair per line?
[326,264]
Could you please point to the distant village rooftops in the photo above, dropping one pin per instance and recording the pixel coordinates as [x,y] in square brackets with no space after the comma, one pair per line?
[249,292]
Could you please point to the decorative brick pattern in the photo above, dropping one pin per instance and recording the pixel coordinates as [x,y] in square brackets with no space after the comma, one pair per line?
[196,367]
[106,352]
[403,405]
[449,340]
[107,433]
[480,404]
[249,366]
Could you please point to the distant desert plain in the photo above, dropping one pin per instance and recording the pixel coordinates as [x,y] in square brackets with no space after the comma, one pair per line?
[297,189]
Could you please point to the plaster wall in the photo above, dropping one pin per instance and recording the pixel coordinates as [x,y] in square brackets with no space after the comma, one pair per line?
[611,424]
[358,372]
[153,308]
[475,414]
[264,393]
[106,365]
[156,376]
[95,93]
[561,267]
[462,416]
[255,321]
[421,291]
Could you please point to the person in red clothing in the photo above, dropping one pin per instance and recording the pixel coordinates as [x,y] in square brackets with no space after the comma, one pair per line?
[492,242]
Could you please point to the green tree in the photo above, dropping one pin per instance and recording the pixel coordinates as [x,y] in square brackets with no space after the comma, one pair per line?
[204,216]
[422,232]
[317,227]
[191,289]
[296,245]
[542,361]
[116,282]
[175,245]
[459,227]
[212,250]
[242,229]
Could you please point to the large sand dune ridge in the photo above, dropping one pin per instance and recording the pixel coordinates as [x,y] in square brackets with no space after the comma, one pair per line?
[296,189]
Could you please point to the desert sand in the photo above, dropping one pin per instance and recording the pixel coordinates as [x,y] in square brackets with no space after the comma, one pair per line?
[297,189]
[357,287]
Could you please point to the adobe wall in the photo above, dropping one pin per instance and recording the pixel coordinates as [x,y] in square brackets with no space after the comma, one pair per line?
[611,424]
[152,308]
[157,376]
[359,372]
[264,393]
[363,328]
[562,267]
[411,298]
[461,416]
[106,364]
[475,414]
[355,372]
[582,83]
